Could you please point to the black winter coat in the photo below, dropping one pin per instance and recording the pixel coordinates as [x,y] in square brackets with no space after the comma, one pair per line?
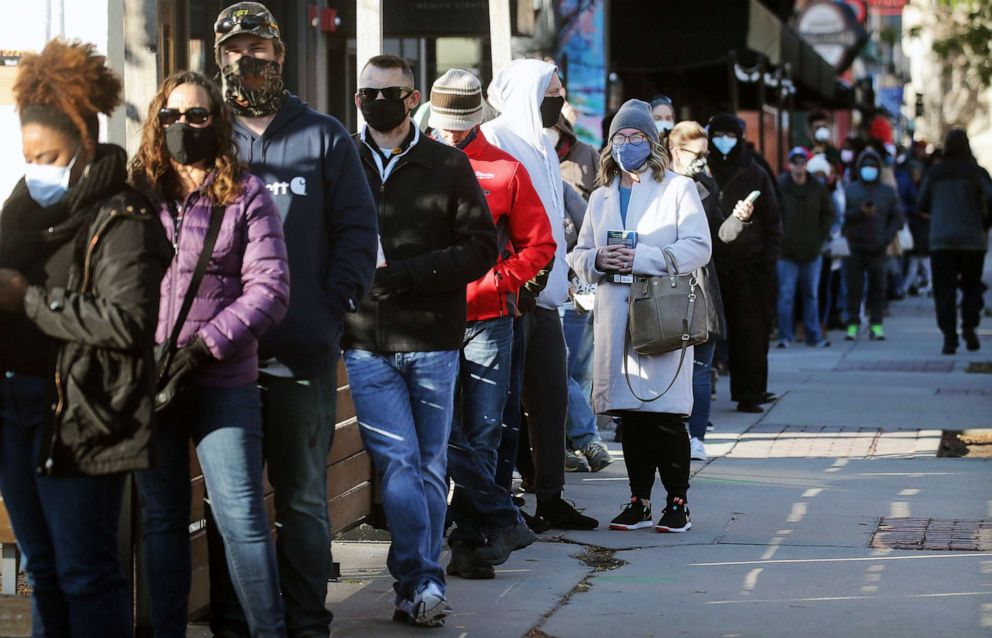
[437,236]
[97,311]
[760,239]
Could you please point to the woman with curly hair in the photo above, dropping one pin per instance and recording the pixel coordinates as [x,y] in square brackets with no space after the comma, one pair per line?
[651,393]
[187,165]
[81,260]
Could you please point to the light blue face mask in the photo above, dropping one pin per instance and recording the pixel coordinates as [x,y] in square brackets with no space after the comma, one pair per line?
[631,157]
[724,144]
[869,173]
[48,184]
[664,126]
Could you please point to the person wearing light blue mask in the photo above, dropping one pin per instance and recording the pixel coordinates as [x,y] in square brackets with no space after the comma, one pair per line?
[81,262]
[663,114]
[751,240]
[639,194]
[872,218]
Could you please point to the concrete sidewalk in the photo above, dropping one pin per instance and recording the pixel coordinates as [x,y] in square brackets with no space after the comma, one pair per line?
[784,515]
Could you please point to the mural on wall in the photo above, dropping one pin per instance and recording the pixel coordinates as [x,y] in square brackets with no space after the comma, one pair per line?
[582,56]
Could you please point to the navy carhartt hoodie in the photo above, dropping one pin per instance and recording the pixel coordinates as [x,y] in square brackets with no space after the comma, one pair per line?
[309,164]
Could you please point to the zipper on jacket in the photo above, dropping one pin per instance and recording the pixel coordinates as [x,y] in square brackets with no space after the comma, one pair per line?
[379,323]
[60,404]
[499,295]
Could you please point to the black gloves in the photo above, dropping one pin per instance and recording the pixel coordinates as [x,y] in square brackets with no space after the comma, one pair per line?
[182,365]
[391,281]
[526,301]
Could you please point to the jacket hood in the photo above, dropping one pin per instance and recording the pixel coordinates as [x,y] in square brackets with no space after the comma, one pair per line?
[517,92]
[291,109]
[868,155]
[567,132]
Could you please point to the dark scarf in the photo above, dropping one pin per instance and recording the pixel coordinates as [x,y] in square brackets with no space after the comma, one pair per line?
[30,234]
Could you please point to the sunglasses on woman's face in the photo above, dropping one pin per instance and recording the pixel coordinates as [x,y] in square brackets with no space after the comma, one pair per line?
[389,92]
[194,116]
[247,22]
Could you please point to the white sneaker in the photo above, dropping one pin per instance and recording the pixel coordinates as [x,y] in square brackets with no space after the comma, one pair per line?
[430,607]
[697,451]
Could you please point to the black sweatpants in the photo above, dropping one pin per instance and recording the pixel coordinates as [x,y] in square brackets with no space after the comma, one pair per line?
[656,441]
[745,288]
[855,266]
[545,398]
[953,269]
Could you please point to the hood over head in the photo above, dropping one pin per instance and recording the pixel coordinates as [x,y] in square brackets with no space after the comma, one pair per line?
[517,91]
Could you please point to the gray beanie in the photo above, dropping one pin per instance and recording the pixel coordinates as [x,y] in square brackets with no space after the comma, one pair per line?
[634,114]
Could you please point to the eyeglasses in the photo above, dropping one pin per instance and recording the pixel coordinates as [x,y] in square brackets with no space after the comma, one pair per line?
[247,22]
[388,92]
[696,154]
[195,115]
[636,139]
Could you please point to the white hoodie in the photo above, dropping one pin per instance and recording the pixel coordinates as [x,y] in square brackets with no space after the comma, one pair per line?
[517,91]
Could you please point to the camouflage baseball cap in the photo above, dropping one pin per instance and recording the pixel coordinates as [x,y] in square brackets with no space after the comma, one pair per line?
[245,17]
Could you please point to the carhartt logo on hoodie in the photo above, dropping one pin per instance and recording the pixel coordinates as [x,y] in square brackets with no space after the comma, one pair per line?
[296,186]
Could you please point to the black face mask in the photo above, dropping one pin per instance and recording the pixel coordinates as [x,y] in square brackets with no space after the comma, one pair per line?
[550,110]
[189,145]
[384,115]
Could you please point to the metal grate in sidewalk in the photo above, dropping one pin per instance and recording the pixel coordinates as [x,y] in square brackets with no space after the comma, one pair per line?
[932,534]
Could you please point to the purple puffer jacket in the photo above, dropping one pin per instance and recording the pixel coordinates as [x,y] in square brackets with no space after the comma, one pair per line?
[245,290]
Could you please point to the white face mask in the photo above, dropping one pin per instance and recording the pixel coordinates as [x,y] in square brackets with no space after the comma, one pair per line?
[48,184]
[664,126]
[822,134]
[847,156]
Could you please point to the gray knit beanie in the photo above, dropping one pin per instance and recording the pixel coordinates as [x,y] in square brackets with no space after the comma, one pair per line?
[634,114]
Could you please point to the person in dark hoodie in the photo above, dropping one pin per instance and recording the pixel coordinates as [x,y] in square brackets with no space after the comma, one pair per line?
[955,194]
[807,215]
[309,164]
[752,243]
[871,221]
[81,260]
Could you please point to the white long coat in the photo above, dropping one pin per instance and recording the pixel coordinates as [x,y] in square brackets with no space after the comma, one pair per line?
[667,215]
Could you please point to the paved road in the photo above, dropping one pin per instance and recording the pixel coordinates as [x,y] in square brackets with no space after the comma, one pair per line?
[784,517]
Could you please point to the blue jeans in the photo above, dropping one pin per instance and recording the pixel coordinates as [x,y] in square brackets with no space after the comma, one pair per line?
[478,503]
[299,420]
[702,389]
[806,276]
[509,443]
[226,427]
[405,403]
[66,526]
[580,424]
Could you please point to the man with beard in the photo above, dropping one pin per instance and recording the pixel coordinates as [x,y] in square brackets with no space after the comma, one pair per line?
[310,165]
[753,238]
[402,348]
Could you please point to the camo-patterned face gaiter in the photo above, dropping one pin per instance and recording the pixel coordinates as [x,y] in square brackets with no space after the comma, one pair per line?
[253,87]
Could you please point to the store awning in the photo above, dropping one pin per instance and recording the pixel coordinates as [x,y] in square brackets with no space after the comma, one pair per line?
[679,36]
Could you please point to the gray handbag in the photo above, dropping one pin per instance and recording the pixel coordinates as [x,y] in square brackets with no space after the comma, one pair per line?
[664,314]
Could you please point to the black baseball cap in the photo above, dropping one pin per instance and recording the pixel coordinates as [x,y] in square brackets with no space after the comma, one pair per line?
[245,17]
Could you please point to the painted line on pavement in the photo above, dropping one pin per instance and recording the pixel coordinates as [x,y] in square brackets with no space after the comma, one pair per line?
[843,598]
[783,561]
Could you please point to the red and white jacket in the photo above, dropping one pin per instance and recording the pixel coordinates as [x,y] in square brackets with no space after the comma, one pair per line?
[523,232]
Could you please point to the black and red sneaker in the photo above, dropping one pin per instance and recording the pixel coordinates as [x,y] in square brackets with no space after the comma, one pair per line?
[675,518]
[633,515]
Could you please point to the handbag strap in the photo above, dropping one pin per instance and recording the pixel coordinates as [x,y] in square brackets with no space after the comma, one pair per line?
[686,323]
[209,240]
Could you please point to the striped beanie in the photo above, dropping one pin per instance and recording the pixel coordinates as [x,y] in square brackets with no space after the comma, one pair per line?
[456,101]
